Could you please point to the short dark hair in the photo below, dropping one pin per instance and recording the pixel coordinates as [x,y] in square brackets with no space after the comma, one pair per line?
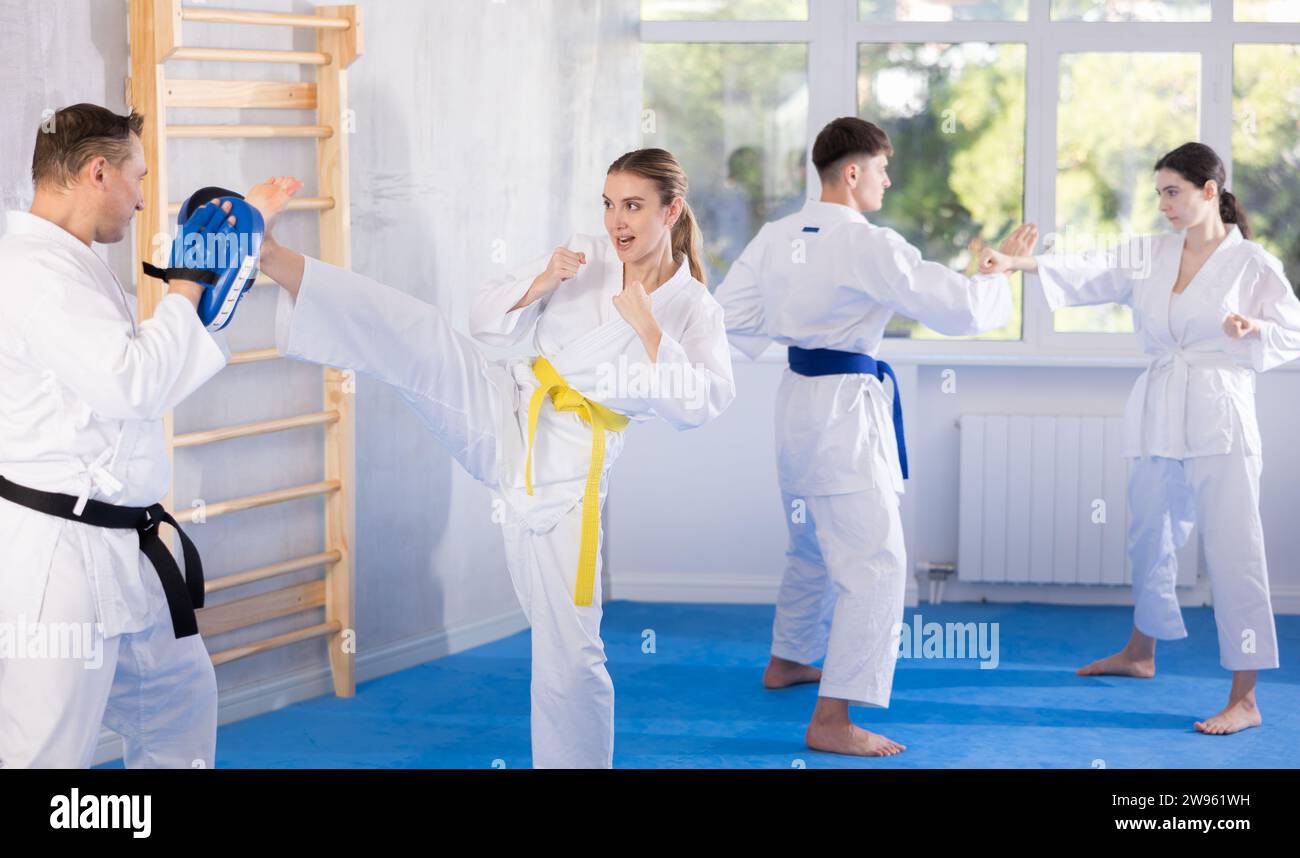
[69,139]
[848,137]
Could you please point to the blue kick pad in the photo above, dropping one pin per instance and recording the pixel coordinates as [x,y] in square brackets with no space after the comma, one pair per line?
[209,251]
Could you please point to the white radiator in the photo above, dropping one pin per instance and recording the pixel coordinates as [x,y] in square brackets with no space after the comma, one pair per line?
[1043,500]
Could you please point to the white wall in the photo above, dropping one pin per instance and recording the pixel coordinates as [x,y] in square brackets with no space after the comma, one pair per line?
[697,515]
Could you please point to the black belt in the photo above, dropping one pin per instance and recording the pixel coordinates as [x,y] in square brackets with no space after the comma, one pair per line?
[184,593]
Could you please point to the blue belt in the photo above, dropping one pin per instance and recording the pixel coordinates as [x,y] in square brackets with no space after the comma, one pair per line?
[819,362]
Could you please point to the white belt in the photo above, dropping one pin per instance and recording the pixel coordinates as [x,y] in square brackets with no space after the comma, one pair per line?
[1179,362]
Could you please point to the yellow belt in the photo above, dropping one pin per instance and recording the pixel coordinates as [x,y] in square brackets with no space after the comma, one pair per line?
[600,418]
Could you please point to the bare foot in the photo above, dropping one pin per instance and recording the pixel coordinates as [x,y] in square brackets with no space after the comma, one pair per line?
[1121,664]
[782,673]
[850,739]
[1240,715]
[272,197]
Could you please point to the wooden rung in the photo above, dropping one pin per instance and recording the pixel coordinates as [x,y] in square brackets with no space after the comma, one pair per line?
[278,496]
[241,93]
[177,132]
[264,427]
[263,608]
[270,19]
[228,582]
[318,204]
[324,629]
[255,356]
[237,55]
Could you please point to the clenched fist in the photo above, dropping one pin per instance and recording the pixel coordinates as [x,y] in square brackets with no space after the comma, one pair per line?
[1239,327]
[633,304]
[564,265]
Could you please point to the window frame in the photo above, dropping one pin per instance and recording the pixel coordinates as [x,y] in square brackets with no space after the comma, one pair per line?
[833,33]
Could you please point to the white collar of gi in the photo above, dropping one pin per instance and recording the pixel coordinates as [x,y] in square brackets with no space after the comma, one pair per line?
[682,274]
[26,223]
[833,212]
[1231,237]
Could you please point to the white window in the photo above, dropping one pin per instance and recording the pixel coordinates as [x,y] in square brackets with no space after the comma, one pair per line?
[1050,111]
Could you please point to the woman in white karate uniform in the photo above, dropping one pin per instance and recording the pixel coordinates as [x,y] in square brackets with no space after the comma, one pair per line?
[1211,308]
[625,331]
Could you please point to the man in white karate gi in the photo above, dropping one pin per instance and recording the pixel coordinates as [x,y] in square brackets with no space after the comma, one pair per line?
[96,623]
[825,283]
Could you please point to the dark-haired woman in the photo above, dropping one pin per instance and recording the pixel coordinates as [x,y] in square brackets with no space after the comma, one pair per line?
[625,331]
[1211,308]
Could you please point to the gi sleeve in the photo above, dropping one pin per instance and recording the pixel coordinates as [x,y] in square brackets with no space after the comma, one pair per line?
[492,319]
[891,271]
[79,335]
[691,379]
[1090,277]
[742,300]
[1271,302]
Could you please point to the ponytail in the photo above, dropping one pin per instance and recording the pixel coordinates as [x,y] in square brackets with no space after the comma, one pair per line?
[1232,211]
[687,240]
